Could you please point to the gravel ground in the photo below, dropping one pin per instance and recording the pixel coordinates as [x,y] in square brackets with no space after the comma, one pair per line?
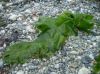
[78,53]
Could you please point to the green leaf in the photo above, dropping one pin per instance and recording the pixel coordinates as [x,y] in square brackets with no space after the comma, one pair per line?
[84,27]
[83,22]
[66,16]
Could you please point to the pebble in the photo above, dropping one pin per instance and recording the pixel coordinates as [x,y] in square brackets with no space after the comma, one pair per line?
[86,60]
[20,72]
[1,7]
[2,32]
[57,65]
[98,38]
[14,1]
[84,70]
[91,56]
[53,73]
[13,17]
[1,63]
[25,64]
[74,52]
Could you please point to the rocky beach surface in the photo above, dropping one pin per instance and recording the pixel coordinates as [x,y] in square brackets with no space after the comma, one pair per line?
[78,53]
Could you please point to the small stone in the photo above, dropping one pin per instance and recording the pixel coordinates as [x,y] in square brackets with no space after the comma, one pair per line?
[26,72]
[56,65]
[1,63]
[53,73]
[91,56]
[8,4]
[26,68]
[13,17]
[2,32]
[1,42]
[94,44]
[53,58]
[1,48]
[73,65]
[29,37]
[74,52]
[20,72]
[29,28]
[14,36]
[35,18]
[70,0]
[16,1]
[84,70]
[28,11]
[31,67]
[93,38]
[1,7]
[4,45]
[24,65]
[86,60]
[98,38]
[13,72]
[79,57]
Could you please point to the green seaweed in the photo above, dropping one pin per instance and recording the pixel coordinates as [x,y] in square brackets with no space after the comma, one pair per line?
[53,33]
[96,66]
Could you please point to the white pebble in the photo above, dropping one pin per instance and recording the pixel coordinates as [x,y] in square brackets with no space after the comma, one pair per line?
[1,63]
[20,72]
[13,17]
[84,70]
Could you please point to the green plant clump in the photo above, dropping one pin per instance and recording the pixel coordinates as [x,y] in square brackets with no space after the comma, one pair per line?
[53,33]
[96,67]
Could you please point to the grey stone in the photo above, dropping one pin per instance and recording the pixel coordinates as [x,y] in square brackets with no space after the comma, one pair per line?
[98,38]
[84,70]
[1,7]
[20,72]
[53,73]
[2,32]
[74,52]
[57,65]
[2,42]
[14,36]
[1,63]
[91,56]
[13,17]
[86,60]
[16,1]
